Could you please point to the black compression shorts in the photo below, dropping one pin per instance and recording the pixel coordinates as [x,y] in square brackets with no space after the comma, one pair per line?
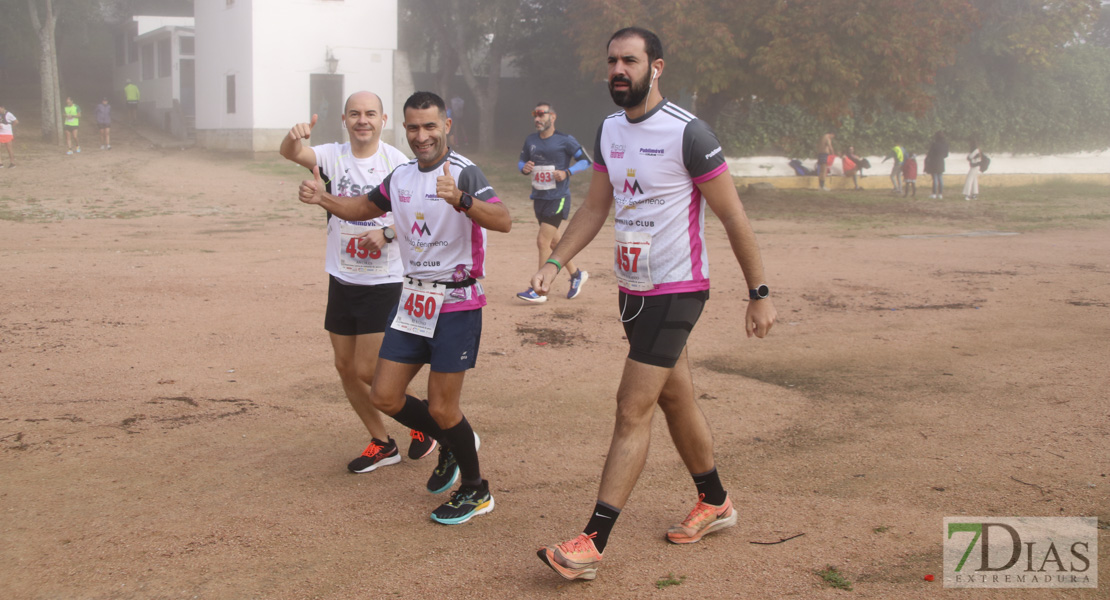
[657,327]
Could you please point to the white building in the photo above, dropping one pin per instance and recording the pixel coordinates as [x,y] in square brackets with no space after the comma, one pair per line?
[263,65]
[156,54]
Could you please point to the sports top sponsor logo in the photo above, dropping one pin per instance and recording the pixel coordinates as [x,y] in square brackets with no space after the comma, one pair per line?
[651,151]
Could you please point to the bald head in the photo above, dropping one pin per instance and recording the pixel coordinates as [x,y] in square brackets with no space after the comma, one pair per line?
[362,97]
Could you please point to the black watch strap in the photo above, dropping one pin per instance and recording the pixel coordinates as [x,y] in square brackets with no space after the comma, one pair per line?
[759,293]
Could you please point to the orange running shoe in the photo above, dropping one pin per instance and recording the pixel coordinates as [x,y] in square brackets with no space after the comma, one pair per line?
[576,559]
[703,520]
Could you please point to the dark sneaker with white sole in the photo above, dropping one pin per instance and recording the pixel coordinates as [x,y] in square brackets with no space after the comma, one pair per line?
[377,454]
[466,502]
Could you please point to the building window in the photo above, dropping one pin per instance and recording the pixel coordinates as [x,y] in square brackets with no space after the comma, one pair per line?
[188,46]
[165,59]
[148,61]
[230,94]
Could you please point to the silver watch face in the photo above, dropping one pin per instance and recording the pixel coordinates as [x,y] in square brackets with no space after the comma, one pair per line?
[389,234]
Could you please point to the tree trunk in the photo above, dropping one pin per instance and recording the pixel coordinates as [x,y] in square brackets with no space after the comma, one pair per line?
[48,71]
[486,97]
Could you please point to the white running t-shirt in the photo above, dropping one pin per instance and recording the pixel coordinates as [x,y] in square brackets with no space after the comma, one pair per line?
[345,175]
[654,164]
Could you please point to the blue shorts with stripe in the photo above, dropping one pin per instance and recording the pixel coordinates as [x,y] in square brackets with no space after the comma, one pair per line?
[452,348]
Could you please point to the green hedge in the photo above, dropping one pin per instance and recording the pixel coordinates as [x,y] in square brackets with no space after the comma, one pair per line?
[1065,108]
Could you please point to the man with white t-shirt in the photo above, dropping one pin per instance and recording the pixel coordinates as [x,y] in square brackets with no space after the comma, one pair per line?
[660,166]
[364,267]
[442,206]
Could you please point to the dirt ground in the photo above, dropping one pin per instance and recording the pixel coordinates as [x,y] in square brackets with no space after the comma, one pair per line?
[171,424]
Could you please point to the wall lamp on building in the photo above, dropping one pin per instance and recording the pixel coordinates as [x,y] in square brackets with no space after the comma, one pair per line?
[333,62]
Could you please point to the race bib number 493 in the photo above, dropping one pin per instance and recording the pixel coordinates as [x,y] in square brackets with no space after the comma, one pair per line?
[543,177]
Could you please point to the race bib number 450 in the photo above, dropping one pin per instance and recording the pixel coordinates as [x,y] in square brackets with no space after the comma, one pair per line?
[418,310]
[632,263]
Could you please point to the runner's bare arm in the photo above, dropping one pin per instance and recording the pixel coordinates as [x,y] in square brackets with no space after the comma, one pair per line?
[355,208]
[720,194]
[583,228]
[293,149]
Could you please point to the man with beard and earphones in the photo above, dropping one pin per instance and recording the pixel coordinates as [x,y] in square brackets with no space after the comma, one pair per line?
[442,205]
[546,158]
[364,269]
[660,166]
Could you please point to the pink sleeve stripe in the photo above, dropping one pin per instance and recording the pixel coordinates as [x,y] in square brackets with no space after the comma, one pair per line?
[711,174]
[694,232]
[384,190]
[600,167]
[477,251]
[493,200]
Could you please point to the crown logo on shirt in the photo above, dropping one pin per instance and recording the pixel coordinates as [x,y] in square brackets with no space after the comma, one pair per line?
[420,216]
[632,172]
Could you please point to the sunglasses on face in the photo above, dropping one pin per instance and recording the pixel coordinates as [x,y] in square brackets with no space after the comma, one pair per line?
[540,113]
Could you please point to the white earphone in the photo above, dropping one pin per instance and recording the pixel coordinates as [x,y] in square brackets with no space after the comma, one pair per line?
[654,73]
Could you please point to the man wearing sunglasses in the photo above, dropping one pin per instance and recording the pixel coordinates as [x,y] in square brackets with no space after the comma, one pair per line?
[546,158]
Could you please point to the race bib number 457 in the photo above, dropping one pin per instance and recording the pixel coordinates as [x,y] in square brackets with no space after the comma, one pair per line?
[632,262]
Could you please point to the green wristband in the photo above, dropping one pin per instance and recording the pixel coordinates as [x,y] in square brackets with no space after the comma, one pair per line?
[558,265]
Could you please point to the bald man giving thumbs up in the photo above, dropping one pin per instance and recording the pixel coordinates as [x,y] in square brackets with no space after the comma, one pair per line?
[364,270]
[442,206]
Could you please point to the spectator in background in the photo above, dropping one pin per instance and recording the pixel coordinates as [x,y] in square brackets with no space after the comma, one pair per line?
[824,151]
[72,123]
[934,163]
[854,166]
[7,119]
[131,92]
[898,153]
[974,161]
[909,175]
[104,123]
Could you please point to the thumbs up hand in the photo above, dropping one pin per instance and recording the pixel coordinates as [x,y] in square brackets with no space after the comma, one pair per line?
[303,131]
[445,186]
[312,192]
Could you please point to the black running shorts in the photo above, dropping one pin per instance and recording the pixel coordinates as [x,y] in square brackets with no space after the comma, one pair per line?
[552,212]
[657,327]
[359,309]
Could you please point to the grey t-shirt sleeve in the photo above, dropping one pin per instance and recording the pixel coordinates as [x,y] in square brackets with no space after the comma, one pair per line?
[701,152]
[599,157]
[379,196]
[474,182]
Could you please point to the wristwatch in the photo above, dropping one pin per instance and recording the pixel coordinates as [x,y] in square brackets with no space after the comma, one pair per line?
[759,293]
[465,202]
[389,234]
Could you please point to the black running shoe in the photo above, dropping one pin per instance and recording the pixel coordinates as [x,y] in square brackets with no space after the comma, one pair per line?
[466,502]
[421,444]
[445,474]
[377,454]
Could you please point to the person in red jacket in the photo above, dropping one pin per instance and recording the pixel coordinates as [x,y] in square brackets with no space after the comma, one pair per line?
[909,175]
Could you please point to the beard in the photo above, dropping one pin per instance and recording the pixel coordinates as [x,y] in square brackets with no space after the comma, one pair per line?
[635,93]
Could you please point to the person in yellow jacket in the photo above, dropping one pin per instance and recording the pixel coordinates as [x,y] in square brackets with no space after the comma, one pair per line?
[131,92]
[72,121]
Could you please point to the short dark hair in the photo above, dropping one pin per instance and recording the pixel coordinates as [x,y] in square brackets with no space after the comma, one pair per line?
[425,100]
[652,45]
[547,104]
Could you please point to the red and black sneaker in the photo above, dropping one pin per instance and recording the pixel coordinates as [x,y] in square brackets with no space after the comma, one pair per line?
[377,454]
[421,444]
